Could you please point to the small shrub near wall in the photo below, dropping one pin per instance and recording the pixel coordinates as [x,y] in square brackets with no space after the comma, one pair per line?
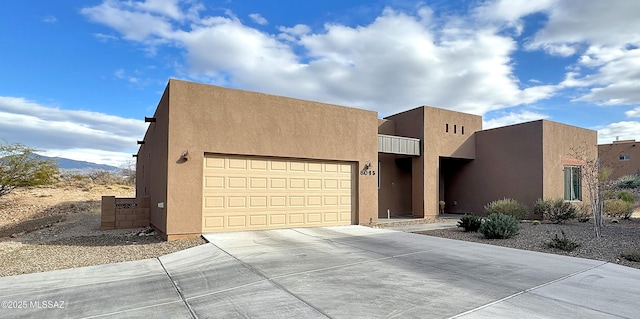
[555,210]
[470,222]
[499,226]
[626,196]
[629,182]
[509,207]
[562,243]
[618,208]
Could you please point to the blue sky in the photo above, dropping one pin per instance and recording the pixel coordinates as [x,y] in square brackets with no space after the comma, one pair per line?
[79,76]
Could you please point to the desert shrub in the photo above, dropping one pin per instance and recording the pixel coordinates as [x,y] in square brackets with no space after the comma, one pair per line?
[632,255]
[628,181]
[21,167]
[563,243]
[507,206]
[499,226]
[583,211]
[555,210]
[617,208]
[470,222]
[626,196]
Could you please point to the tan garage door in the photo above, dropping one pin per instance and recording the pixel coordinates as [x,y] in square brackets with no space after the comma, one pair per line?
[243,192]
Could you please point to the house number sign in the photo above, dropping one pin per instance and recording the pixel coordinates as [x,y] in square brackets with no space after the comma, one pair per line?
[365,170]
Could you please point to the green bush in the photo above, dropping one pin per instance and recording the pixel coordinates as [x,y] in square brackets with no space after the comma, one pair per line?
[563,243]
[618,208]
[555,210]
[499,226]
[470,222]
[629,181]
[507,206]
[626,196]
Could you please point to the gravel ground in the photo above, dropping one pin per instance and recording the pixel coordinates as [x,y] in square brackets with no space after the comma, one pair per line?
[616,239]
[43,229]
[50,228]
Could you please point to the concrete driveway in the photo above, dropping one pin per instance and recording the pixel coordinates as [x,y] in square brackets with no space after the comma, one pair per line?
[334,272]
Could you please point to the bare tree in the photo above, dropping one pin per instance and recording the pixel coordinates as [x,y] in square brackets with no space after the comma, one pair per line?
[128,171]
[595,178]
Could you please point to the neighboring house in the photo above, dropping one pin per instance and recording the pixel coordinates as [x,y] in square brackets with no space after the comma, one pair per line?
[621,157]
[217,159]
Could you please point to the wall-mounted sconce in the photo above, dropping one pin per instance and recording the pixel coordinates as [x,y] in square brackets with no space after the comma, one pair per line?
[185,156]
[140,142]
[149,119]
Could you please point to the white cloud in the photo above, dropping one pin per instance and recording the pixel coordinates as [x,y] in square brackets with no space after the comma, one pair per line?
[47,128]
[633,113]
[104,37]
[132,24]
[616,80]
[293,34]
[511,11]
[605,38]
[512,118]
[168,8]
[257,18]
[625,130]
[607,23]
[49,19]
[398,61]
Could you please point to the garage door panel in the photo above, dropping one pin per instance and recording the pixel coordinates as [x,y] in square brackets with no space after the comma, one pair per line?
[278,219]
[259,165]
[314,218]
[258,183]
[258,220]
[237,221]
[236,164]
[296,219]
[237,182]
[278,201]
[331,217]
[242,192]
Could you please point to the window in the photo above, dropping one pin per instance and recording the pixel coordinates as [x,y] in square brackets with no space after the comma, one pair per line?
[462,130]
[625,157]
[455,129]
[572,183]
[446,128]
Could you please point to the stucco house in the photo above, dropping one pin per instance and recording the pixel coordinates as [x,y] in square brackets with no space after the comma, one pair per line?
[621,157]
[216,159]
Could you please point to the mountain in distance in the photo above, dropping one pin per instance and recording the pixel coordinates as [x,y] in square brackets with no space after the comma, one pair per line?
[66,164]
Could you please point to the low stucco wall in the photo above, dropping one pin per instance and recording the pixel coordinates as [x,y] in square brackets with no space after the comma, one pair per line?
[117,213]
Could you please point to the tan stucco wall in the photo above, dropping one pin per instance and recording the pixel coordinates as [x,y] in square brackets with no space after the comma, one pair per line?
[151,168]
[523,162]
[508,163]
[610,157]
[443,133]
[210,119]
[563,143]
